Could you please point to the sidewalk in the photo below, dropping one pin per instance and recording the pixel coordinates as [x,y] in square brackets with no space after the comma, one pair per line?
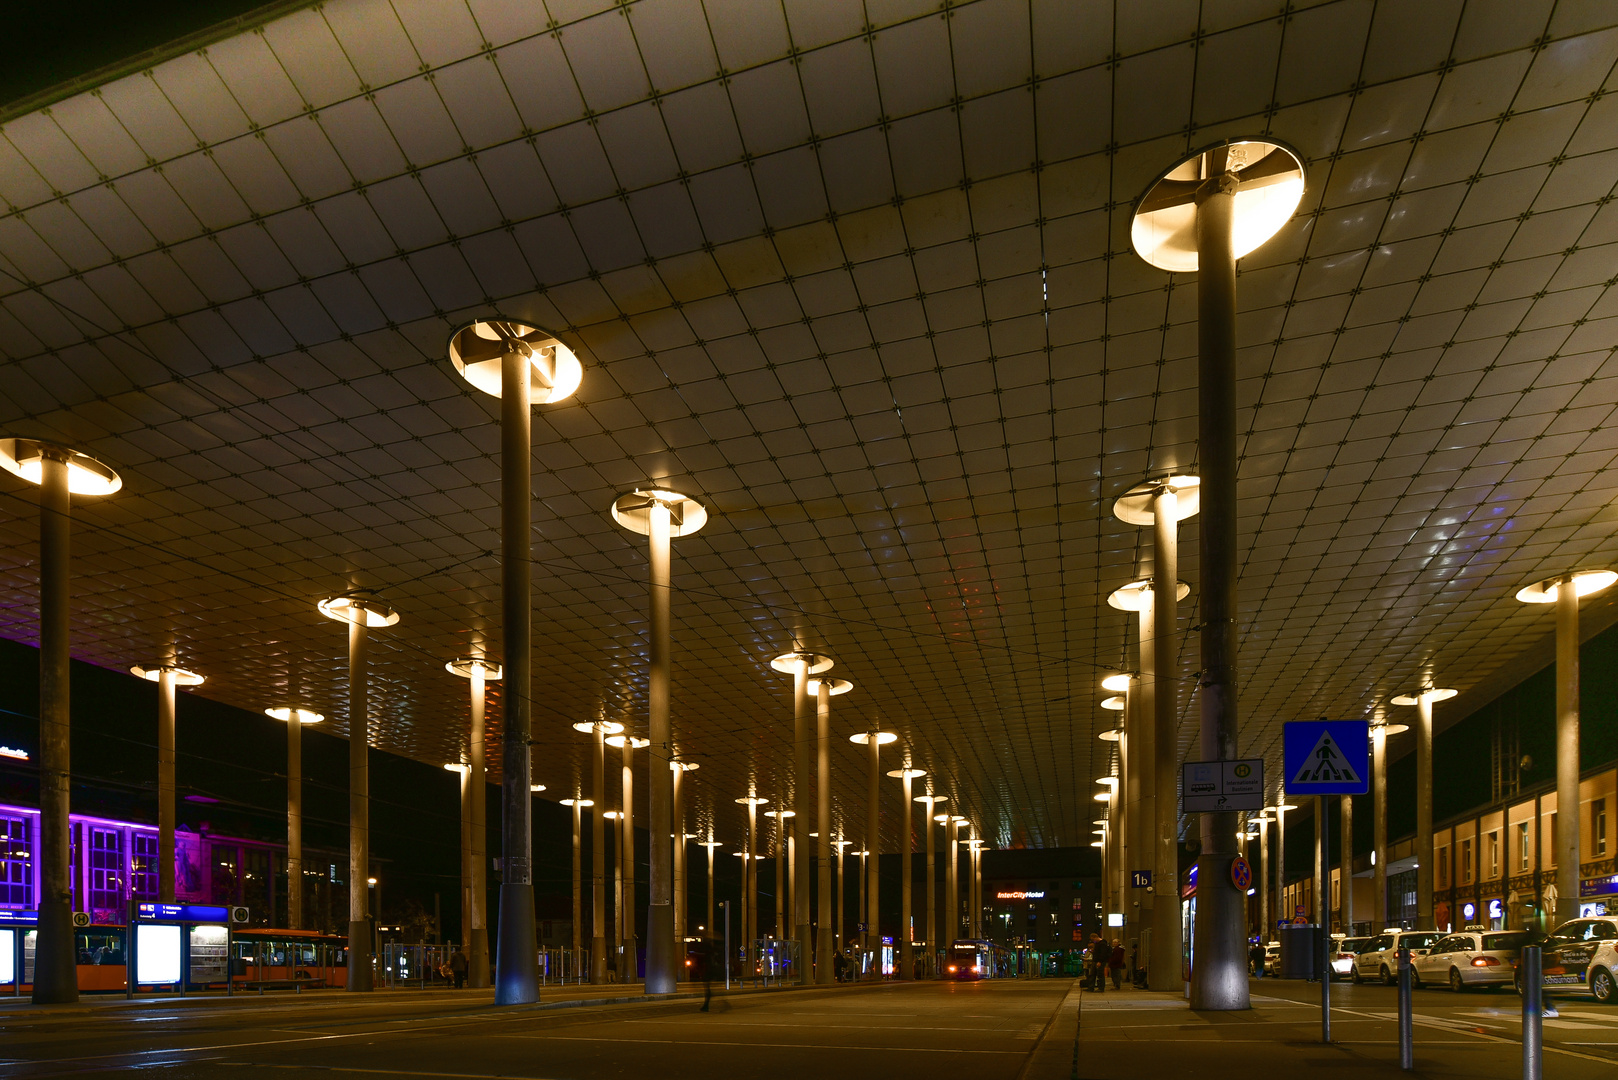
[1130,1034]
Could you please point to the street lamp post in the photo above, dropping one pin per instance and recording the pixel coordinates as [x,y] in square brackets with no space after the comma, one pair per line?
[60,473]
[167,677]
[1564,591]
[873,741]
[522,366]
[361,612]
[1203,214]
[1423,698]
[294,718]
[801,665]
[907,841]
[660,514]
[477,672]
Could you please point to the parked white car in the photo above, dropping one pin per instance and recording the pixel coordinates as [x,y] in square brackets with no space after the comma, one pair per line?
[1473,958]
[1343,952]
[1380,958]
[1582,956]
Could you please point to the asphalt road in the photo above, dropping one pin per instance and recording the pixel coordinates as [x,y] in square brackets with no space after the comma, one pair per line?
[915,1031]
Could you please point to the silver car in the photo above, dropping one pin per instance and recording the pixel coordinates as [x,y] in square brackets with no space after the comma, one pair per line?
[1343,952]
[1474,958]
[1380,958]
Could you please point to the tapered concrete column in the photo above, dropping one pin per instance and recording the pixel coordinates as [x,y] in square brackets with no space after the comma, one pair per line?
[801,665]
[578,805]
[1190,220]
[627,745]
[682,878]
[952,881]
[167,677]
[523,366]
[477,672]
[1322,910]
[1345,872]
[463,773]
[873,741]
[907,843]
[1265,921]
[60,473]
[1564,591]
[827,940]
[1280,811]
[708,926]
[598,732]
[295,718]
[750,877]
[929,824]
[1423,699]
[659,515]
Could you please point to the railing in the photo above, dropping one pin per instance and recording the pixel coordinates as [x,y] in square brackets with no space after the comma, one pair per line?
[563,966]
[421,967]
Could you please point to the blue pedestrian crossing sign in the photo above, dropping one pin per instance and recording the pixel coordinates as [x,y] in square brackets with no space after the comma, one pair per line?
[1327,757]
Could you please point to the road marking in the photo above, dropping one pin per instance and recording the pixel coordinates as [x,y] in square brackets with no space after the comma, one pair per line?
[759,1045]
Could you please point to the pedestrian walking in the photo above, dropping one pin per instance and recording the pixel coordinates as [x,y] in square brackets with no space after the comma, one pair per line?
[457,968]
[1256,956]
[1115,964]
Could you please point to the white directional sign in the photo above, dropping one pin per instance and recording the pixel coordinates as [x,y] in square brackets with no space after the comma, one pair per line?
[1212,786]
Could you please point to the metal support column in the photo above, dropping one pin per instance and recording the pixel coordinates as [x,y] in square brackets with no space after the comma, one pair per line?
[517,943]
[1379,827]
[1424,810]
[56,979]
[1566,837]
[598,856]
[477,805]
[662,961]
[824,940]
[1345,862]
[359,809]
[165,783]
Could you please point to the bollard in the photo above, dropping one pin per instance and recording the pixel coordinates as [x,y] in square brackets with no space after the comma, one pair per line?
[1407,1050]
[1530,974]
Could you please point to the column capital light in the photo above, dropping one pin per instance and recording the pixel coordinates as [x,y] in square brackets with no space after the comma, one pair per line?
[931,799]
[710,844]
[182,677]
[635,743]
[678,764]
[1111,735]
[1137,595]
[904,774]
[1137,506]
[833,686]
[606,727]
[751,800]
[478,348]
[25,458]
[467,666]
[571,802]
[1119,682]
[1584,582]
[780,813]
[882,738]
[787,663]
[358,606]
[287,712]
[1414,697]
[1268,177]
[1115,703]
[633,510]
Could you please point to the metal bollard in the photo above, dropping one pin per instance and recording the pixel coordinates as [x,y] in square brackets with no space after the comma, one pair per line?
[1323,936]
[1407,1049]
[1530,970]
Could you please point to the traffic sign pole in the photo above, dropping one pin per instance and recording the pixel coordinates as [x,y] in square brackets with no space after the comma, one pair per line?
[1323,908]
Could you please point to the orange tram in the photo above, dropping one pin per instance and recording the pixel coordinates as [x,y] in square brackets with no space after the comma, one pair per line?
[212,956]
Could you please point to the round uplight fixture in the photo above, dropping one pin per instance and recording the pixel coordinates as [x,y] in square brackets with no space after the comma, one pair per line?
[181,676]
[1117,683]
[833,686]
[25,458]
[608,727]
[634,742]
[304,716]
[1415,696]
[883,738]
[353,608]
[634,511]
[787,663]
[1135,505]
[468,666]
[1269,186]
[1114,703]
[1137,595]
[478,348]
[1585,582]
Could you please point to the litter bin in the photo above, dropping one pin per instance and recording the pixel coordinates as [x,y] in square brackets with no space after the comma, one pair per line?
[1299,959]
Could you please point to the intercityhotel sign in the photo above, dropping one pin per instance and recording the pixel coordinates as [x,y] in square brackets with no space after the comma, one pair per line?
[1019,894]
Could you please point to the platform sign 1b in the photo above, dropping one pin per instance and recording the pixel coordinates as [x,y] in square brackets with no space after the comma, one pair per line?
[1214,786]
[1327,757]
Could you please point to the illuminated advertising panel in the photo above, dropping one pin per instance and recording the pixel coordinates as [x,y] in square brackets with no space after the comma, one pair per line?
[157,953]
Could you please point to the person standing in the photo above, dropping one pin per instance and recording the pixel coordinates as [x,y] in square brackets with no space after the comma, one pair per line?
[1256,956]
[1115,964]
[457,968]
